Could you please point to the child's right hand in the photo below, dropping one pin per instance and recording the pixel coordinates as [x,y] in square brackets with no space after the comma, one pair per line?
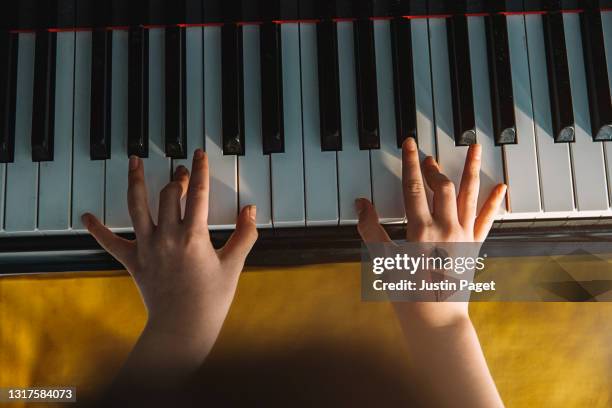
[453,218]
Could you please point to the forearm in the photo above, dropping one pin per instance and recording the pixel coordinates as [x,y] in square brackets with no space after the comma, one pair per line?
[449,362]
[171,348]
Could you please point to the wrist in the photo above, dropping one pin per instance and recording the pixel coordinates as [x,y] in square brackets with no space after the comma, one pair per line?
[431,315]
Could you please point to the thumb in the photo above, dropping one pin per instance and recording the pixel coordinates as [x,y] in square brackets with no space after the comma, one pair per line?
[369,227]
[118,247]
[242,239]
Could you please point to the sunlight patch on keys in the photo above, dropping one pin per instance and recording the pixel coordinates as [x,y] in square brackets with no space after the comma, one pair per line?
[423,88]
[492,170]
[553,158]
[587,156]
[450,157]
[520,159]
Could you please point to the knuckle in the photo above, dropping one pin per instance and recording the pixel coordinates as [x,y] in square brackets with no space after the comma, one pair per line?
[197,188]
[413,187]
[447,187]
[194,235]
[420,231]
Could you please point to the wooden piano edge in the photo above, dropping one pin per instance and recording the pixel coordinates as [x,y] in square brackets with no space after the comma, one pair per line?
[281,247]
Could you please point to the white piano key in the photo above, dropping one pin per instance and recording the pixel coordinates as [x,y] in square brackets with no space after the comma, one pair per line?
[606,22]
[422,87]
[223,169]
[520,159]
[353,164]
[386,162]
[450,157]
[21,201]
[553,158]
[55,177]
[587,156]
[254,166]
[195,95]
[492,167]
[157,165]
[87,174]
[117,216]
[321,180]
[288,167]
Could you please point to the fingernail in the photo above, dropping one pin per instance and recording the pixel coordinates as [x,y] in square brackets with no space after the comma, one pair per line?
[253,212]
[85,219]
[199,154]
[180,170]
[133,162]
[411,144]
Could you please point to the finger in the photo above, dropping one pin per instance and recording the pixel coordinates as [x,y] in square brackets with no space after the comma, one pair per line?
[170,198]
[415,201]
[118,247]
[196,207]
[467,200]
[369,227]
[138,203]
[181,174]
[242,239]
[444,198]
[485,219]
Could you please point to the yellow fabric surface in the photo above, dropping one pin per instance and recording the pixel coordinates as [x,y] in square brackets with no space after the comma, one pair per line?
[76,329]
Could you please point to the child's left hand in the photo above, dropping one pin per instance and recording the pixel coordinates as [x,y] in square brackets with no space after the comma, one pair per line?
[187,285]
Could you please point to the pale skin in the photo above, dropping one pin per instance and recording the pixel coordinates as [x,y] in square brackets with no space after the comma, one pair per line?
[446,353]
[187,286]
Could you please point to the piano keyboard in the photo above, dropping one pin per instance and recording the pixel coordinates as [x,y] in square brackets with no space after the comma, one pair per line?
[302,116]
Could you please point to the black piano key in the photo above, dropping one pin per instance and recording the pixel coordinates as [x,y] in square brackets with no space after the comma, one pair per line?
[212,11]
[561,107]
[8,94]
[233,90]
[329,86]
[461,80]
[122,13]
[43,109]
[176,93]
[271,89]
[27,14]
[403,80]
[138,92]
[598,87]
[63,13]
[500,80]
[101,88]
[367,93]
